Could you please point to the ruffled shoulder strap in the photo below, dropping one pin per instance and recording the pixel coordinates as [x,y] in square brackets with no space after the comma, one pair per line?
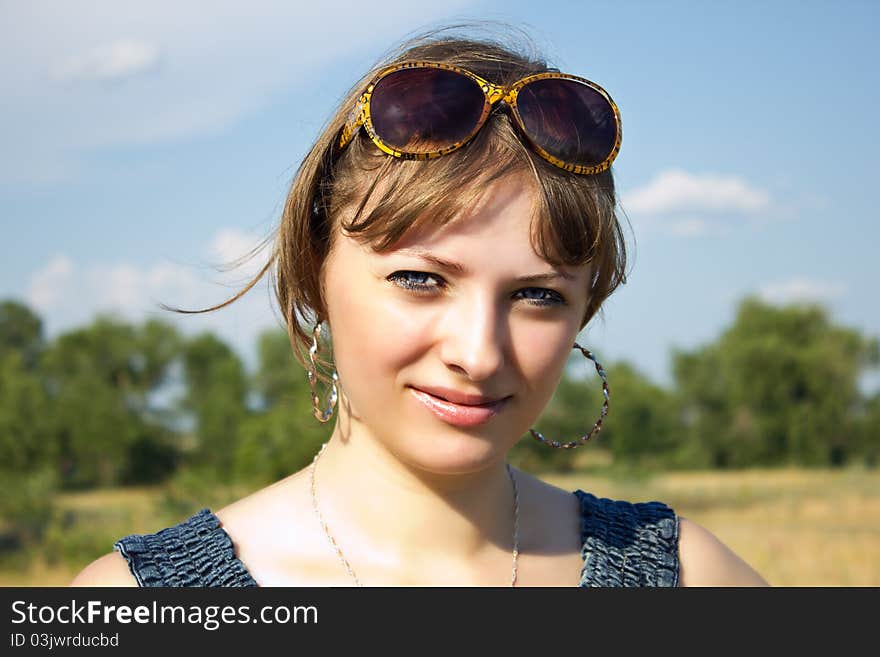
[195,552]
[628,544]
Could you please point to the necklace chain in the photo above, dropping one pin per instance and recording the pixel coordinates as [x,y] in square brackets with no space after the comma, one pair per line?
[348,565]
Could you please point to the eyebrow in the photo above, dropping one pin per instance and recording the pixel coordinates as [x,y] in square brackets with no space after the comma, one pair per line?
[462,270]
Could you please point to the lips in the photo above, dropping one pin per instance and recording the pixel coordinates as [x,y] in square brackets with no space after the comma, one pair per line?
[461,415]
[458,397]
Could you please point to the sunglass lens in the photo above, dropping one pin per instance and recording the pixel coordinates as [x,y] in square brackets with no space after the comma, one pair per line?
[420,110]
[568,119]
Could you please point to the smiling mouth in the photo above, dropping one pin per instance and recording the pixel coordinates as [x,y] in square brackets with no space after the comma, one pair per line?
[461,415]
[486,404]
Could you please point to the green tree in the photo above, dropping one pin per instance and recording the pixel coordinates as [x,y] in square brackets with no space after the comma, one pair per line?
[154,452]
[100,379]
[21,331]
[216,394]
[643,427]
[25,431]
[27,477]
[779,386]
[868,431]
[572,411]
[286,435]
[279,377]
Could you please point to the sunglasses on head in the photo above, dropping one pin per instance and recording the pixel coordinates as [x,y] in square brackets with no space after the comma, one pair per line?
[422,110]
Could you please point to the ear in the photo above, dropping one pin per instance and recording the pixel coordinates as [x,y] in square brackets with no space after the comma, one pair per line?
[321,313]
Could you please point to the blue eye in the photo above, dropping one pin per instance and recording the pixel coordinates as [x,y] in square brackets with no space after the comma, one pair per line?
[552,298]
[405,279]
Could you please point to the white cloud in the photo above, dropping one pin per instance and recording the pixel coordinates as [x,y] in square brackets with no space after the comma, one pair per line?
[63,289]
[690,227]
[674,190]
[801,289]
[212,67]
[118,287]
[114,61]
[694,205]
[67,295]
[230,245]
[49,285]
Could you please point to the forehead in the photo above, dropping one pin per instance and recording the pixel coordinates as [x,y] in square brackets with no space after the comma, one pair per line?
[500,218]
[491,235]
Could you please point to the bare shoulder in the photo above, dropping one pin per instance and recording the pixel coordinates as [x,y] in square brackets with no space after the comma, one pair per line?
[109,570]
[263,510]
[548,509]
[252,522]
[705,561]
[546,495]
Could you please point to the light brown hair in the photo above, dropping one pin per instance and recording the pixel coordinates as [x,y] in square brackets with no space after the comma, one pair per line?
[575,221]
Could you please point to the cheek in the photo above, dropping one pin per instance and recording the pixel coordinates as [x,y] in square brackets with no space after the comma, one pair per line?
[542,352]
[374,337]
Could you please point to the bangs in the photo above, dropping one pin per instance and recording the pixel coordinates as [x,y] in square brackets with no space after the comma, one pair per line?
[378,200]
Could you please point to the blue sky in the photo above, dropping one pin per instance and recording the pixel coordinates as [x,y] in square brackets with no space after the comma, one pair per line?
[145,142]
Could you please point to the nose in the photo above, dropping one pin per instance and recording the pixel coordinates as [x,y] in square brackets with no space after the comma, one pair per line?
[474,338]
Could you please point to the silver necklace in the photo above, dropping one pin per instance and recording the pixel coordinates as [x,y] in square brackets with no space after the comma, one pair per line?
[345,561]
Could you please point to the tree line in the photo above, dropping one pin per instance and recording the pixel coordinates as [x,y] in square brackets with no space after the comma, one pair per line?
[115,403]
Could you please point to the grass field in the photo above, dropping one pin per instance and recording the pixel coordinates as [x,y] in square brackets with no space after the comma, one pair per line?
[796,527]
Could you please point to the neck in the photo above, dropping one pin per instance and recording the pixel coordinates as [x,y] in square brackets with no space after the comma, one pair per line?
[391,512]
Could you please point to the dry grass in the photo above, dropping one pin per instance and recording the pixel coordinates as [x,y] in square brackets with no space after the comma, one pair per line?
[796,527]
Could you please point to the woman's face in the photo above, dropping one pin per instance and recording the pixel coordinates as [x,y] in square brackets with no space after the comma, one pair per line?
[477,330]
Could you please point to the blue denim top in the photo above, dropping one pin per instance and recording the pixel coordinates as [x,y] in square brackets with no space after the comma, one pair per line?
[624,544]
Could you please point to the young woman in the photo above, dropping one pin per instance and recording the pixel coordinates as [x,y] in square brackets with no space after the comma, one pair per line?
[449,234]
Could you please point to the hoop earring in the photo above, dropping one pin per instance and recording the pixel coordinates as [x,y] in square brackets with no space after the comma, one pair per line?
[322,416]
[596,427]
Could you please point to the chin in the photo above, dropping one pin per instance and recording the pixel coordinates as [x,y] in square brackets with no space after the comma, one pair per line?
[439,448]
